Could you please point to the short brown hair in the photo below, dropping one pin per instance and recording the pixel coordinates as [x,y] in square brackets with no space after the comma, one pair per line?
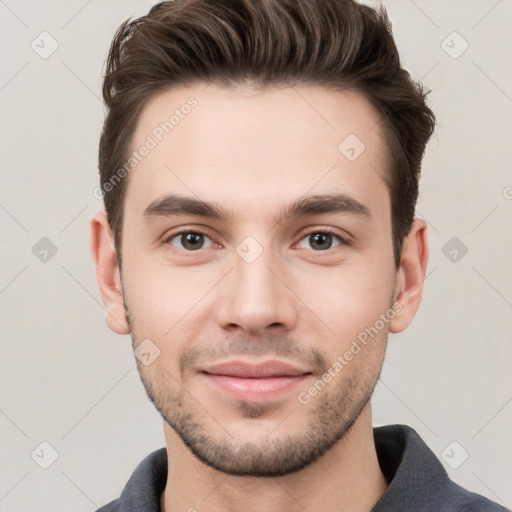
[339,44]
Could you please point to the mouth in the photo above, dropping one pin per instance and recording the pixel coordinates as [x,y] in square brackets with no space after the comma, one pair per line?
[255,382]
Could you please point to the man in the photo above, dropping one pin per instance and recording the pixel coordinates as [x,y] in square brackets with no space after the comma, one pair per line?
[259,164]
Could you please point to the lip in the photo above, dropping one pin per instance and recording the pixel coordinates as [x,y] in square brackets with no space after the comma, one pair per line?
[254,382]
[245,369]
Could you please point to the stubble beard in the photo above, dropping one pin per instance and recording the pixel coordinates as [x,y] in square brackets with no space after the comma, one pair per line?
[331,414]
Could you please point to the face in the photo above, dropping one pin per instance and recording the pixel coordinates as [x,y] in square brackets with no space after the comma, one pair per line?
[258,276]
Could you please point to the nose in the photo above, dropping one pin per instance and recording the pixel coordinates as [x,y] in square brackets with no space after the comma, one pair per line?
[256,299]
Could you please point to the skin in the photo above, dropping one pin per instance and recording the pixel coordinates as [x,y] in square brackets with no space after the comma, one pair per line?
[255,152]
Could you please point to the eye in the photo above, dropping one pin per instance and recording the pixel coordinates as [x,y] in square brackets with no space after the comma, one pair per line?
[321,240]
[189,240]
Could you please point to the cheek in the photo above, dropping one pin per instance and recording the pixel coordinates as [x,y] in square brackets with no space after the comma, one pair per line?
[168,305]
[153,291]
[157,298]
[348,302]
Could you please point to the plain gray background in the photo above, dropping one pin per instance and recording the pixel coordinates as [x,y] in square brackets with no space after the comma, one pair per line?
[68,381]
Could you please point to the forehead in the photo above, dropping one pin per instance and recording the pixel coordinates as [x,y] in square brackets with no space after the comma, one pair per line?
[245,146]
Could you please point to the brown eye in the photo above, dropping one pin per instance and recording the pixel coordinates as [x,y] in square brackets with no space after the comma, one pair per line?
[322,240]
[188,240]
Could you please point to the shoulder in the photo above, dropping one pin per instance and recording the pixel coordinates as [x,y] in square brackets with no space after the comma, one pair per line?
[417,479]
[477,503]
[113,506]
[145,486]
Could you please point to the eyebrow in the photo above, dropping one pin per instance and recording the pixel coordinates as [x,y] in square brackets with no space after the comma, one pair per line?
[176,204]
[325,203]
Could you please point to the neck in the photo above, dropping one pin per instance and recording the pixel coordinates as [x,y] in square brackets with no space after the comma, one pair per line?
[347,477]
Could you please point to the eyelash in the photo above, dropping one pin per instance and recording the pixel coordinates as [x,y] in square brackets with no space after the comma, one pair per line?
[326,231]
[343,241]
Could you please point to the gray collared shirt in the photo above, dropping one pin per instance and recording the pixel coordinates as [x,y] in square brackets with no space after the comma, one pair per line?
[417,480]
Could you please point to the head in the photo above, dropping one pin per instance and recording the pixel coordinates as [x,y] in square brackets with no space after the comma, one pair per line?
[270,217]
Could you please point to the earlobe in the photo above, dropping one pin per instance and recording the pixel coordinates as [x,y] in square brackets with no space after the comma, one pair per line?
[410,275]
[107,273]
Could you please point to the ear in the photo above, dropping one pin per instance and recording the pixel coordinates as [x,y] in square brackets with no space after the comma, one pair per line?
[107,273]
[410,276]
